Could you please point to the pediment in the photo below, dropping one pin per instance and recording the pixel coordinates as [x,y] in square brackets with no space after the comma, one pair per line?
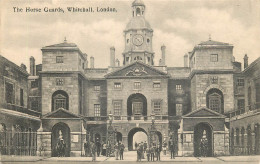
[204,112]
[137,69]
[60,113]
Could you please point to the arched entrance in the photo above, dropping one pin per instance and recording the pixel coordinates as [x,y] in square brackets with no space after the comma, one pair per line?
[131,134]
[136,105]
[60,131]
[118,136]
[198,135]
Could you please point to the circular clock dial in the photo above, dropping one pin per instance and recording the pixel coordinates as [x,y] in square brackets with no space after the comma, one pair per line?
[138,39]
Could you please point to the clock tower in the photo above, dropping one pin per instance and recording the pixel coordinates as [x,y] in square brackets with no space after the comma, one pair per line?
[138,37]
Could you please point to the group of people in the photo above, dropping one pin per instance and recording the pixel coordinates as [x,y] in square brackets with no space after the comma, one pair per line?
[153,151]
[93,150]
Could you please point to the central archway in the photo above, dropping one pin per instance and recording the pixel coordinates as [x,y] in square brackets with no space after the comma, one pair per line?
[198,134]
[136,105]
[131,135]
[60,130]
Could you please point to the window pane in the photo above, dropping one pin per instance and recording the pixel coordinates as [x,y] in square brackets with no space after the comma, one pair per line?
[157,106]
[137,107]
[97,110]
[9,93]
[178,109]
[117,108]
[117,85]
[157,85]
[97,88]
[59,59]
[178,87]
[137,85]
[214,57]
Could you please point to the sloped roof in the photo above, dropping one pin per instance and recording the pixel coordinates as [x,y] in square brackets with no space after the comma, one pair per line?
[138,23]
[138,3]
[60,113]
[64,44]
[136,69]
[212,42]
[204,112]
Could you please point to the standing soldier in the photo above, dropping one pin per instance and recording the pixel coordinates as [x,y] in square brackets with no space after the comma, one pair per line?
[164,147]
[136,146]
[98,148]
[204,145]
[148,151]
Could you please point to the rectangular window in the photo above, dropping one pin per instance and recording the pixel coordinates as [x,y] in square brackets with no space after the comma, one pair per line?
[117,108]
[59,59]
[83,65]
[156,85]
[79,62]
[178,87]
[127,59]
[97,87]
[117,85]
[179,110]
[157,106]
[97,110]
[214,57]
[9,93]
[241,105]
[60,103]
[214,79]
[137,107]
[34,105]
[59,81]
[137,85]
[240,82]
[21,98]
[35,84]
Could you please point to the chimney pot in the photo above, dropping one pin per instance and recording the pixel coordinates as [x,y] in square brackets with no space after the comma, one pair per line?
[112,56]
[91,62]
[32,66]
[245,61]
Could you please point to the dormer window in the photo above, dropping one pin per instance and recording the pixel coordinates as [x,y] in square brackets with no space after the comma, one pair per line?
[138,12]
[214,57]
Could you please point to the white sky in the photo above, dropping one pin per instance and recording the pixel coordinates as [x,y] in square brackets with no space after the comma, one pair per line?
[178,24]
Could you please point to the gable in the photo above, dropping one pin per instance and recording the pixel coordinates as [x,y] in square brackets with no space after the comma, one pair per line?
[137,69]
[61,113]
[204,112]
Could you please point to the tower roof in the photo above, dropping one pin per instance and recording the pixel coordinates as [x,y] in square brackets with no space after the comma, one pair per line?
[138,23]
[138,3]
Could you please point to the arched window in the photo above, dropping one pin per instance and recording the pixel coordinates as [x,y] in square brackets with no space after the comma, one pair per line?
[215,100]
[138,58]
[138,12]
[60,99]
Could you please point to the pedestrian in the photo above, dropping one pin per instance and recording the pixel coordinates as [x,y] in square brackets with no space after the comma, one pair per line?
[139,152]
[116,147]
[98,148]
[148,154]
[142,150]
[145,146]
[164,146]
[86,149]
[172,149]
[121,151]
[136,146]
[158,152]
[93,151]
[152,151]
[104,148]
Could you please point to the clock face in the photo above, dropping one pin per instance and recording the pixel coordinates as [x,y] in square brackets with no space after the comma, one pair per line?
[138,40]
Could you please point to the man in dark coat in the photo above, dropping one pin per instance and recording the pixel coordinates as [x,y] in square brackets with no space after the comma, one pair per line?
[121,151]
[98,148]
[172,149]
[158,152]
[93,151]
[152,151]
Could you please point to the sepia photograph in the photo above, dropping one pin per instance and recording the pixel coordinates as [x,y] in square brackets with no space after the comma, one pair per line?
[115,81]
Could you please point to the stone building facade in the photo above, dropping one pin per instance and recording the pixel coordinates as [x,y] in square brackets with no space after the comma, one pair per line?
[210,97]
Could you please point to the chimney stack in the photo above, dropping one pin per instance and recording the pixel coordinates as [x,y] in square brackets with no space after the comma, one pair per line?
[245,61]
[117,63]
[91,62]
[163,55]
[186,60]
[112,56]
[23,66]
[32,66]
